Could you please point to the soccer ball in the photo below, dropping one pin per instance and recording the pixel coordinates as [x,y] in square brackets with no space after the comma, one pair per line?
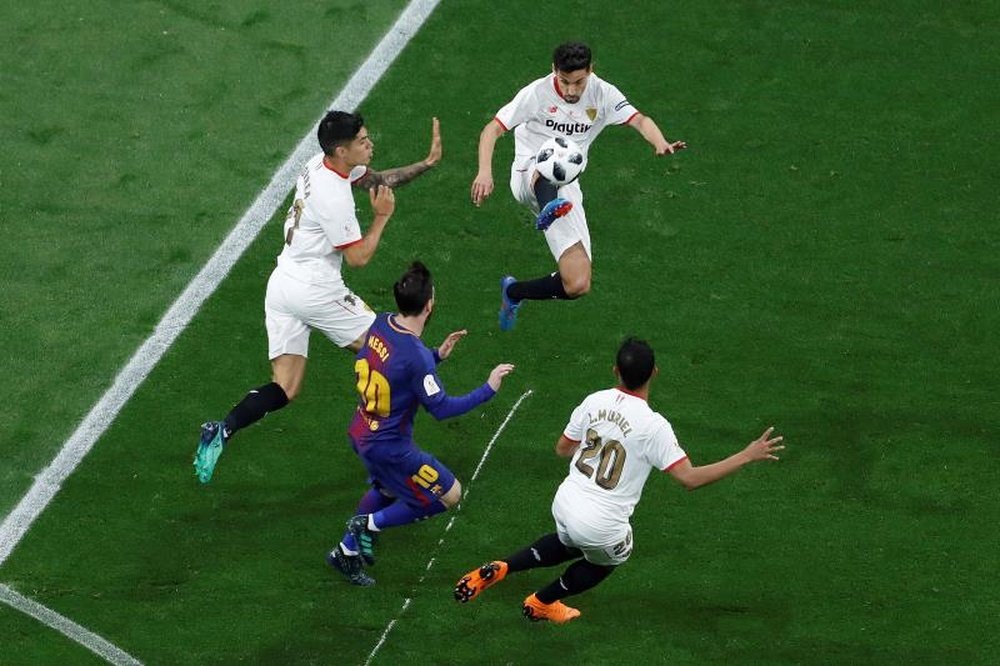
[560,161]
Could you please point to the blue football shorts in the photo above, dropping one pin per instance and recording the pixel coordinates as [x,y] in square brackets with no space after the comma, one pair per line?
[406,472]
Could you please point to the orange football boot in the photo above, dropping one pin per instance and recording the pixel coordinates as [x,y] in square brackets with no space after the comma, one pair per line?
[477,580]
[557,611]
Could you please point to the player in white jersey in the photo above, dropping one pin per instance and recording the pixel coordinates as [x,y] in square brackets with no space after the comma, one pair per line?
[614,439]
[306,290]
[572,102]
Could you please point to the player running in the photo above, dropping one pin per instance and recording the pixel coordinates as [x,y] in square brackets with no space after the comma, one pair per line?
[615,439]
[396,374]
[572,102]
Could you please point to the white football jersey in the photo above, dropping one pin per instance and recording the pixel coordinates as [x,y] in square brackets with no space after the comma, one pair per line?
[538,112]
[321,222]
[621,440]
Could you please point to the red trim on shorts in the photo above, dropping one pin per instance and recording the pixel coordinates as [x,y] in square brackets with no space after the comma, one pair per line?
[500,123]
[418,493]
[345,245]
[674,464]
[345,176]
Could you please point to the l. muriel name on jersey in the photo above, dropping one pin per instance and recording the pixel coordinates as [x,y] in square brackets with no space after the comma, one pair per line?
[611,416]
[569,129]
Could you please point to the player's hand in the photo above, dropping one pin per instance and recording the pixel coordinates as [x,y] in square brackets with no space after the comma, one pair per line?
[444,351]
[499,372]
[764,447]
[434,154]
[482,187]
[670,147]
[383,200]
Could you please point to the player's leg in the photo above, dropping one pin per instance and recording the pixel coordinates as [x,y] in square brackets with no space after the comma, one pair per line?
[345,556]
[424,488]
[546,604]
[551,206]
[602,552]
[547,551]
[288,347]
[572,280]
[569,242]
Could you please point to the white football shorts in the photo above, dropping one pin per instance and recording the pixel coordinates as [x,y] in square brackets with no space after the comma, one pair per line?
[293,307]
[568,229]
[608,544]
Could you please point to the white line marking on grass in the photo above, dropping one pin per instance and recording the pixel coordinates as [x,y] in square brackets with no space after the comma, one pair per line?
[68,628]
[430,562]
[183,310]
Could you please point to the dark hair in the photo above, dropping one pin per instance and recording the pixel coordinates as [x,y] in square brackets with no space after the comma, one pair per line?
[635,362]
[338,128]
[413,290]
[571,56]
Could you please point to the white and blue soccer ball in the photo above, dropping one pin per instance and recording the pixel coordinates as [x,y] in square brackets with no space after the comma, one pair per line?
[560,161]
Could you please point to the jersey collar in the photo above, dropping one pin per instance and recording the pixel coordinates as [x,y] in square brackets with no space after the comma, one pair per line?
[345,176]
[631,393]
[399,328]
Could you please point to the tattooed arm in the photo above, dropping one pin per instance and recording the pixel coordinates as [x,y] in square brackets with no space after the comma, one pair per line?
[404,174]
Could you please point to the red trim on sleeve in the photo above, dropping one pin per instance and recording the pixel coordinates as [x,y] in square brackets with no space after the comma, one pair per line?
[575,441]
[341,247]
[361,176]
[500,123]
[631,117]
[675,463]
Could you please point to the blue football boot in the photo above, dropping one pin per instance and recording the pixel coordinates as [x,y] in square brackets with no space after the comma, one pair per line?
[508,306]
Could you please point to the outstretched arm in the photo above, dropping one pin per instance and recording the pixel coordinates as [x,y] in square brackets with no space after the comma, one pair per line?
[448,406]
[762,448]
[482,186]
[404,174]
[652,134]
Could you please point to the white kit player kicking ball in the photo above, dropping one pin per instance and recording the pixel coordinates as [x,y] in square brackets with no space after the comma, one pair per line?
[571,102]
[306,290]
[615,439]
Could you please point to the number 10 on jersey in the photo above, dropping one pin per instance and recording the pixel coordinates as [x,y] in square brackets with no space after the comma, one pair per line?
[373,387]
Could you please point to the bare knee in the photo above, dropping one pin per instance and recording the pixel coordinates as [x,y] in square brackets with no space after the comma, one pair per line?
[576,286]
[288,371]
[291,390]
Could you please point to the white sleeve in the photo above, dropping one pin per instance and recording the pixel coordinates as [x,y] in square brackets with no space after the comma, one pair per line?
[664,450]
[340,224]
[517,110]
[617,108]
[576,429]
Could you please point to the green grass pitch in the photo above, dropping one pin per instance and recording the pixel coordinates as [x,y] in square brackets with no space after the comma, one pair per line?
[823,258]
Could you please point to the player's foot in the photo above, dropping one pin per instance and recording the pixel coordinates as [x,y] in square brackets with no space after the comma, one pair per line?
[349,565]
[508,306]
[358,526]
[209,449]
[551,212]
[557,611]
[477,580]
